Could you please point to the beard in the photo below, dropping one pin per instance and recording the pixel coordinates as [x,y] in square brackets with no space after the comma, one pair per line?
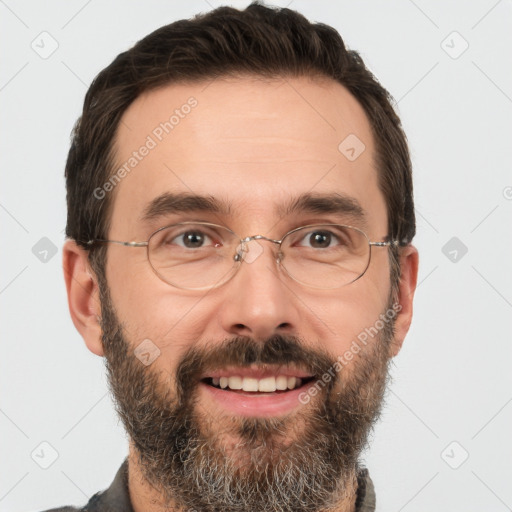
[306,461]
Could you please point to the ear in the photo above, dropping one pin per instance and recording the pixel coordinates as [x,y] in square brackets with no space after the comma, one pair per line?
[409,259]
[83,295]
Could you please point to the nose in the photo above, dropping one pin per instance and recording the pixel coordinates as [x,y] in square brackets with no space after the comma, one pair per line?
[258,301]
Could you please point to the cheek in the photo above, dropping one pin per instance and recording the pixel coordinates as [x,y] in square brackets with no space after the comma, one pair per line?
[348,317]
[350,312]
[150,309]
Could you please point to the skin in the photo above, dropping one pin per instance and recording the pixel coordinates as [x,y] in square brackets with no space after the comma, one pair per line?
[255,143]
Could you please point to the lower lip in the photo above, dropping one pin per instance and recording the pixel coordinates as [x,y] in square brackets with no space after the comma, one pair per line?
[263,405]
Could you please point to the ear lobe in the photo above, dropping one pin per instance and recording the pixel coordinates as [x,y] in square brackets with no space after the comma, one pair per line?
[83,295]
[409,260]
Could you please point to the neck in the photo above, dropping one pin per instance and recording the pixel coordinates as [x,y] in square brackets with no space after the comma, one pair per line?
[145,498]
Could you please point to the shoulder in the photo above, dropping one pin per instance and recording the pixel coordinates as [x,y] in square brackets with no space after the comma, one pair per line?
[114,499]
[96,504]
[64,509]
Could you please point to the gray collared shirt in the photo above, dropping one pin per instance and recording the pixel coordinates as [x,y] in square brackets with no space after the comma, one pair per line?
[117,498]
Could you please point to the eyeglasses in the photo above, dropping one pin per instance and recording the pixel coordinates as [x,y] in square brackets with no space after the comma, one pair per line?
[202,256]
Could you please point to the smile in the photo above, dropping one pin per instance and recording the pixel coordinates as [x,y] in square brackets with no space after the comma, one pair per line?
[266,385]
[256,392]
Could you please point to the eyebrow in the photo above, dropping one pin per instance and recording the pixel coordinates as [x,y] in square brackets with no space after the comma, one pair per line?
[168,203]
[334,203]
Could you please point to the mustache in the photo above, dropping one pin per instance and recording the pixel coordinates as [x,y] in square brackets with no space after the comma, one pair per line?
[243,351]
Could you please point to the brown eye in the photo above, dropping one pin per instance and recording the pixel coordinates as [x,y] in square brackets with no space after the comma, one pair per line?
[320,239]
[192,239]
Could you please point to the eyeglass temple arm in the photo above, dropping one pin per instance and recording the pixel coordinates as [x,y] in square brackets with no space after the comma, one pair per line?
[394,243]
[126,244]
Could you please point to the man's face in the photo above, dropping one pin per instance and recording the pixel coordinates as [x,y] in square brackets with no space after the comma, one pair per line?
[255,147]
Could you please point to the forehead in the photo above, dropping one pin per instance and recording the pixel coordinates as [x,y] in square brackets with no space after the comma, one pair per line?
[252,143]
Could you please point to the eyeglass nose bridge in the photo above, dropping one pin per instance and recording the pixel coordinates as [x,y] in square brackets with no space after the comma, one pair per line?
[243,253]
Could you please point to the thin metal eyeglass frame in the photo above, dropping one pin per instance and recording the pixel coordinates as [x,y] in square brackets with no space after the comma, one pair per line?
[238,258]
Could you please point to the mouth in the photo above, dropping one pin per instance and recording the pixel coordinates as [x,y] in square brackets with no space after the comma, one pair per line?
[278,384]
[256,392]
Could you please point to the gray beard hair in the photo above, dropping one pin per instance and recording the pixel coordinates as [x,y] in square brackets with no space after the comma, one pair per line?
[184,457]
[301,480]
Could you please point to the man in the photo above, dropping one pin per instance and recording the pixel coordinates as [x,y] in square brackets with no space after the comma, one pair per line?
[240,218]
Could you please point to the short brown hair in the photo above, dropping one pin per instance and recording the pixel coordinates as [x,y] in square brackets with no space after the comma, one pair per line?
[260,40]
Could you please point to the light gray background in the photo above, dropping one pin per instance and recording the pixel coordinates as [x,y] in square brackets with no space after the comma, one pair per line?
[452,380]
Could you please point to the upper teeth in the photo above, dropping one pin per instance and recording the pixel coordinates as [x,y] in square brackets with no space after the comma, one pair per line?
[268,384]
